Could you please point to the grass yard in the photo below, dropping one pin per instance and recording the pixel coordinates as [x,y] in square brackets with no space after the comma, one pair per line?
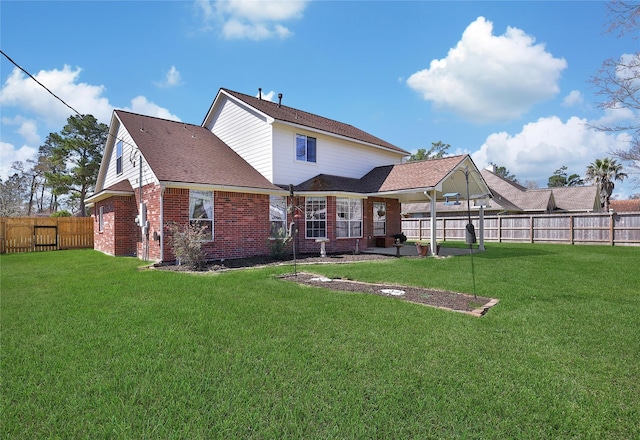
[91,347]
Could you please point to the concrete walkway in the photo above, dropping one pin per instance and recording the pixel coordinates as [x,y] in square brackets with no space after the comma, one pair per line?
[409,250]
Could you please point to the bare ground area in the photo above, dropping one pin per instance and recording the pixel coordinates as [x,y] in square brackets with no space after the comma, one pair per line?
[454,301]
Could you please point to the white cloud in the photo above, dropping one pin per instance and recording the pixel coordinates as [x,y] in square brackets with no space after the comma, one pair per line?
[21,91]
[546,145]
[171,79]
[27,128]
[490,78]
[141,105]
[10,154]
[254,20]
[573,99]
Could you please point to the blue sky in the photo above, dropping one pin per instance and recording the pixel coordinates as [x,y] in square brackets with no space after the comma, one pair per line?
[507,82]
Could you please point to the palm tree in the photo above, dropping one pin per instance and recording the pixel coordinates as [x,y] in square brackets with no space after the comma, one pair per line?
[603,172]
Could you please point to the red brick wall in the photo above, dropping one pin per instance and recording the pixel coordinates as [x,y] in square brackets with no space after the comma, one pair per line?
[241,225]
[119,234]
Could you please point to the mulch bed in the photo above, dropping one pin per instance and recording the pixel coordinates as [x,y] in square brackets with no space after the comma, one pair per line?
[459,302]
[442,299]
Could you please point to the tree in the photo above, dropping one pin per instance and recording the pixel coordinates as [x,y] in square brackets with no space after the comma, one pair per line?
[618,82]
[437,151]
[559,179]
[603,172]
[76,153]
[12,196]
[503,172]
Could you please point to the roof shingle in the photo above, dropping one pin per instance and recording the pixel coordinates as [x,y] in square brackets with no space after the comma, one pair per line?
[180,152]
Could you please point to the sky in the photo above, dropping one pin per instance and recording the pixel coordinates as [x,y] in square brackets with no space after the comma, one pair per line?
[507,82]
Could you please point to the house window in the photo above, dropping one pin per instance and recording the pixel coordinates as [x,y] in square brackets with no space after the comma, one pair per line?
[305,148]
[101,219]
[119,157]
[315,209]
[379,219]
[201,210]
[278,216]
[348,217]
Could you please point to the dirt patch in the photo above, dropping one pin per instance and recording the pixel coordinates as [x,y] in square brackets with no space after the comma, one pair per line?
[442,299]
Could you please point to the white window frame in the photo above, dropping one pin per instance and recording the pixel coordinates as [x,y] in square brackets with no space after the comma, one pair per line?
[348,217]
[101,219]
[379,221]
[302,149]
[278,216]
[205,207]
[119,157]
[315,213]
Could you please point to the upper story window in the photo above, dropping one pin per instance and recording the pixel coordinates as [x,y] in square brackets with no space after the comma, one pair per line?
[315,209]
[278,216]
[305,148]
[348,217]
[201,210]
[119,157]
[379,219]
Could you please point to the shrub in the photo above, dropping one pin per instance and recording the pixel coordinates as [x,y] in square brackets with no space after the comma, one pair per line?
[278,247]
[63,213]
[187,241]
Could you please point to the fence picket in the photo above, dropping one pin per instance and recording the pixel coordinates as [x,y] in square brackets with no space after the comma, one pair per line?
[38,234]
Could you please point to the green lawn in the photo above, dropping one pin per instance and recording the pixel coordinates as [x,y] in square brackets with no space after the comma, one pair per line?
[91,347]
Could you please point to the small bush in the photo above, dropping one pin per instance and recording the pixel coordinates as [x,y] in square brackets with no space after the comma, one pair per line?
[187,241]
[278,247]
[63,213]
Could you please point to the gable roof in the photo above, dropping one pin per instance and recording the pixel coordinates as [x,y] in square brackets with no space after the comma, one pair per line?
[410,178]
[290,115]
[577,198]
[184,153]
[512,196]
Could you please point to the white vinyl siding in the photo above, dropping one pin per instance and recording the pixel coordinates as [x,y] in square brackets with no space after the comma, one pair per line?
[247,133]
[130,156]
[334,156]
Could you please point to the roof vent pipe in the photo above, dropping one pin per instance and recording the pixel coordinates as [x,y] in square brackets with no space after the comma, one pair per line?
[260,93]
[279,99]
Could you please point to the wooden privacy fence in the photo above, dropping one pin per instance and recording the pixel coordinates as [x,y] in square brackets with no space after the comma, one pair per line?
[36,234]
[614,229]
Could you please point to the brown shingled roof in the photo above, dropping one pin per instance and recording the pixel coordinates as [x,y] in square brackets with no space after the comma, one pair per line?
[632,205]
[398,177]
[179,152]
[299,117]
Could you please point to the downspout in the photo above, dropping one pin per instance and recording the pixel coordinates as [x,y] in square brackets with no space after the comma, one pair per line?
[162,188]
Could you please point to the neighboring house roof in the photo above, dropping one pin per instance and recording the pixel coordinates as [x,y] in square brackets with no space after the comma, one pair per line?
[632,205]
[301,118]
[183,153]
[511,197]
[577,198]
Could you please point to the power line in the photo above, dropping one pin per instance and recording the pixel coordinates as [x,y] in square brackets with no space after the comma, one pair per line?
[41,85]
[134,147]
